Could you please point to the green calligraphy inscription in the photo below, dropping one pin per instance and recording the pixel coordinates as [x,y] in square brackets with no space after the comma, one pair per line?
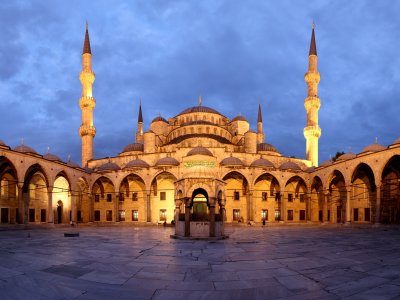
[206,164]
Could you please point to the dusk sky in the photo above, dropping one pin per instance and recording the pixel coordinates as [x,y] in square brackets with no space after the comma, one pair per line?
[235,54]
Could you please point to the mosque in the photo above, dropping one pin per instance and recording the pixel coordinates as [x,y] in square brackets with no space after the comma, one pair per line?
[200,168]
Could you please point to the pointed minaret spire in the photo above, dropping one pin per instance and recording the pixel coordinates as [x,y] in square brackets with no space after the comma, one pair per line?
[313,45]
[312,131]
[87,103]
[260,132]
[86,44]
[139,131]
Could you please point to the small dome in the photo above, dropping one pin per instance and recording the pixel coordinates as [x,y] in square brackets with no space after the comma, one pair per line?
[289,165]
[262,163]
[199,109]
[159,118]
[266,147]
[2,143]
[110,166]
[137,163]
[310,169]
[167,161]
[326,163]
[396,141]
[374,148]
[231,161]
[88,170]
[199,151]
[51,157]
[346,156]
[25,149]
[133,147]
[239,118]
[72,164]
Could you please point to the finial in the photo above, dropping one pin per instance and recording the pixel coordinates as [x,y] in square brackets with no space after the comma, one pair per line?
[376,140]
[22,141]
[69,157]
[48,149]
[87,25]
[200,100]
[313,24]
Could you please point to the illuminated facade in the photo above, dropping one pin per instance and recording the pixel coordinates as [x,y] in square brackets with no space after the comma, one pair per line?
[200,166]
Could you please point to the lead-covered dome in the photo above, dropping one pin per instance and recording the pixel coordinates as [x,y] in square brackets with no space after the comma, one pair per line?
[167,161]
[199,151]
[397,141]
[2,143]
[266,147]
[262,163]
[199,108]
[346,156]
[109,166]
[136,163]
[239,118]
[231,161]
[159,118]
[51,157]
[25,149]
[72,164]
[133,147]
[289,165]
[373,148]
[326,163]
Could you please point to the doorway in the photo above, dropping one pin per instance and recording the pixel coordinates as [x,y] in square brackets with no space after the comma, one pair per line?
[59,211]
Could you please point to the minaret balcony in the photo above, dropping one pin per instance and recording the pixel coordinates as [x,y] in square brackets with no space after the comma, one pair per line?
[87,102]
[312,131]
[312,102]
[87,130]
[311,77]
[86,76]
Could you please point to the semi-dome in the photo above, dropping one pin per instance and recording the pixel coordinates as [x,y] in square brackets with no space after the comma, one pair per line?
[167,161]
[266,147]
[289,165]
[199,108]
[326,163]
[109,166]
[25,149]
[373,148]
[199,151]
[52,157]
[136,163]
[347,156]
[231,161]
[159,118]
[239,118]
[72,164]
[262,163]
[133,147]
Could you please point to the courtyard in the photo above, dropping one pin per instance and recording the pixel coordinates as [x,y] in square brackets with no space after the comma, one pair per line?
[285,262]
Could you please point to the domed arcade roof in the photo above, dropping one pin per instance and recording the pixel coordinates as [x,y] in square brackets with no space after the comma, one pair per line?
[326,163]
[262,163]
[109,166]
[397,141]
[373,148]
[200,151]
[231,161]
[2,143]
[347,156]
[137,163]
[289,165]
[25,149]
[52,157]
[72,164]
[266,147]
[133,147]
[167,161]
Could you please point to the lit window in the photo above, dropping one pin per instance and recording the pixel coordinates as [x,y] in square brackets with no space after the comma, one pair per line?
[163,215]
[135,215]
[264,214]
[277,215]
[236,214]
[121,215]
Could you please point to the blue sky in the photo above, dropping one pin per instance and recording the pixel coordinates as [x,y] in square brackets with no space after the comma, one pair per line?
[233,53]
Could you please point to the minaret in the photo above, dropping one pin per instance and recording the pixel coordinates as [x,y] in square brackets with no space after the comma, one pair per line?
[139,132]
[87,103]
[260,133]
[312,131]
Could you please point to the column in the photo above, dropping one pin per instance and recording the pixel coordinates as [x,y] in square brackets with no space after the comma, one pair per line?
[21,207]
[308,206]
[212,221]
[348,206]
[187,217]
[50,214]
[378,205]
[91,207]
[148,207]
[325,211]
[177,212]
[249,200]
[283,206]
[222,212]
[116,207]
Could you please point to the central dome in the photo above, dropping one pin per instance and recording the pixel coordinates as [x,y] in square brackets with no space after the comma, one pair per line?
[195,109]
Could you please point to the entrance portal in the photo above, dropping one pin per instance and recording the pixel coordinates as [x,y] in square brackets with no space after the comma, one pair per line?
[59,211]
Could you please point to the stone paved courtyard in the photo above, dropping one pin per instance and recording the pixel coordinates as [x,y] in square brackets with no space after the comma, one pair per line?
[306,262]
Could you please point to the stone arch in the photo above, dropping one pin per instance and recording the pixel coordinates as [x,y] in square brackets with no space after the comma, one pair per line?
[237,197]
[35,196]
[104,200]
[162,197]
[8,192]
[338,196]
[83,203]
[266,193]
[61,193]
[294,199]
[132,203]
[363,194]
[316,200]
[390,191]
